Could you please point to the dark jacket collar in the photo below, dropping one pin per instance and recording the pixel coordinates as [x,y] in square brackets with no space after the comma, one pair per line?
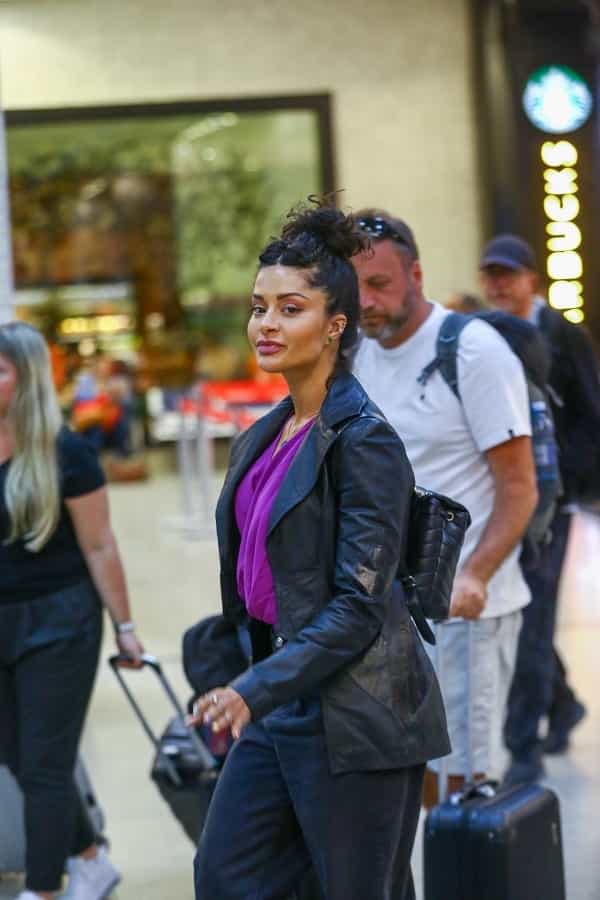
[345,399]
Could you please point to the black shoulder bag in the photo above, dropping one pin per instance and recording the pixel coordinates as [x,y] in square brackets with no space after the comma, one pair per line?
[435,536]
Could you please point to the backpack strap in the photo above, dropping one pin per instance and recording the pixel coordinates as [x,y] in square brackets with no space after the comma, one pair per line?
[550,324]
[446,350]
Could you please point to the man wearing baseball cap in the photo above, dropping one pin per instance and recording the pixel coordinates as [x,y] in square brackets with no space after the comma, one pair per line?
[510,282]
[509,277]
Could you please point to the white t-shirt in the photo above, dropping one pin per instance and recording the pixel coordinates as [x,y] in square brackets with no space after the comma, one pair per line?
[446,438]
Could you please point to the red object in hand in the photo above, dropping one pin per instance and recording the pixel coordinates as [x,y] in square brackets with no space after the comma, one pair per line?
[218,742]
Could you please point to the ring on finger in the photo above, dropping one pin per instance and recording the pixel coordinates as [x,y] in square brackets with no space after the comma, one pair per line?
[214,699]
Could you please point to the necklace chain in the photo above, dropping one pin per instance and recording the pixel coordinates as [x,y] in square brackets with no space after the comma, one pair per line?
[291,428]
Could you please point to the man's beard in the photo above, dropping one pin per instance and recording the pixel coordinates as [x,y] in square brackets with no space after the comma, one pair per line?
[390,327]
[503,300]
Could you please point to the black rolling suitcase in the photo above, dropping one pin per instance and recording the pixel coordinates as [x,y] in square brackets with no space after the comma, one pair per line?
[493,843]
[183,769]
[488,844]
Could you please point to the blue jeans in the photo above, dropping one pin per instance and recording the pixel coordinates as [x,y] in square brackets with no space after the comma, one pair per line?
[48,658]
[277,810]
[539,682]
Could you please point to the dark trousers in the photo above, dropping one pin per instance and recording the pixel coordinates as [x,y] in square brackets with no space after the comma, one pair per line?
[277,810]
[48,658]
[562,694]
[539,684]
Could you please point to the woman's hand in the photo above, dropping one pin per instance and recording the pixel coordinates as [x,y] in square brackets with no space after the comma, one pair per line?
[222,708]
[129,646]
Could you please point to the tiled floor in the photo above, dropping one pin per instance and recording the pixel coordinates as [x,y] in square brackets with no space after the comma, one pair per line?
[174,582]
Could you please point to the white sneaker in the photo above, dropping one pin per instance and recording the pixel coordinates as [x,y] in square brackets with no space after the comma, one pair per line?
[91,879]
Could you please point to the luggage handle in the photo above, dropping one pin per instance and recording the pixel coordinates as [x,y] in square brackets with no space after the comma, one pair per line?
[470,785]
[486,789]
[152,662]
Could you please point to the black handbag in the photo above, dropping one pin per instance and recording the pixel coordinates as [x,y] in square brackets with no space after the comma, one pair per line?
[435,537]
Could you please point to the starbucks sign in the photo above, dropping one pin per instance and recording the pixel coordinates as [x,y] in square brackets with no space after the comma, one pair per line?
[557,100]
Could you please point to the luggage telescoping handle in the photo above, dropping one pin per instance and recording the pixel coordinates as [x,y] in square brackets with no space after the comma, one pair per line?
[439,658]
[152,662]
[443,765]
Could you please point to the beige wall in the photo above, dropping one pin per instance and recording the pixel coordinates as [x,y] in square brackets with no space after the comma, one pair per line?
[6,283]
[398,71]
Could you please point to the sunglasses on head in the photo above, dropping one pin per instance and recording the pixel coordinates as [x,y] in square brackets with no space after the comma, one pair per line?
[378,229]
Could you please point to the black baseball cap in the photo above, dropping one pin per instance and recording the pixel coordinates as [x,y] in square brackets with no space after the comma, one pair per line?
[510,251]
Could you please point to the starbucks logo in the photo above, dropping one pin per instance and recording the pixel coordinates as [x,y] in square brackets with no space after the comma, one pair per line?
[557,100]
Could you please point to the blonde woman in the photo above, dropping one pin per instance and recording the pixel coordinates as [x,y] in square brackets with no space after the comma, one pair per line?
[58,564]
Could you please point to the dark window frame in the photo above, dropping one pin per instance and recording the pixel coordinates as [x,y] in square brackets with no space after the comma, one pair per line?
[321,104]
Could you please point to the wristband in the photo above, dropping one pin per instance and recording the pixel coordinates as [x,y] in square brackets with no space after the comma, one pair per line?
[124,627]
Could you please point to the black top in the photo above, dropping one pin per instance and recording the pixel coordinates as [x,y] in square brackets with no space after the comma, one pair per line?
[25,575]
[576,404]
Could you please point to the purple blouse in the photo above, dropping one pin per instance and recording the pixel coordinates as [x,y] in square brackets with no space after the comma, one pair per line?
[253,504]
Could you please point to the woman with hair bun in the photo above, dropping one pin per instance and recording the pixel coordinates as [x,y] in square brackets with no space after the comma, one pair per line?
[340,710]
[58,563]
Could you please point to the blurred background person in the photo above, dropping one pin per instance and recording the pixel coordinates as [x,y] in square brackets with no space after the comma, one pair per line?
[463,302]
[59,564]
[103,405]
[510,282]
[119,389]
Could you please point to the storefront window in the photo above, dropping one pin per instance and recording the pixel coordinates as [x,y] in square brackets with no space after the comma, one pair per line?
[136,232]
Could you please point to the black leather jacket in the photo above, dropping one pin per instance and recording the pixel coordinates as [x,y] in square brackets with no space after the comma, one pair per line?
[337,531]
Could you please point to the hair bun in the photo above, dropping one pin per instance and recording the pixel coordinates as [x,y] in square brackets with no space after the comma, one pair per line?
[331,230]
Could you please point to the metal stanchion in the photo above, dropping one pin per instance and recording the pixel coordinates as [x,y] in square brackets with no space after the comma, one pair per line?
[196,468]
[202,415]
[205,469]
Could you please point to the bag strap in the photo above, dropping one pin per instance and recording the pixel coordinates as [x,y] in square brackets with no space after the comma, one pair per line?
[550,324]
[414,607]
[446,350]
